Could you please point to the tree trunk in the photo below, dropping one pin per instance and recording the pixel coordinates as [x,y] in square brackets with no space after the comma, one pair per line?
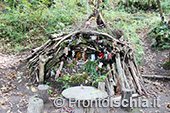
[160,11]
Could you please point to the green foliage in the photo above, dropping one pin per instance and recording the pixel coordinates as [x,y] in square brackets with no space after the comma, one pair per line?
[161,36]
[76,79]
[95,76]
[89,76]
[25,23]
[166,63]
[142,5]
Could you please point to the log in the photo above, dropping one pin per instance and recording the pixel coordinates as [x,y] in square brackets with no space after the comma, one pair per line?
[129,76]
[156,76]
[114,73]
[43,92]
[136,79]
[137,68]
[35,106]
[126,94]
[109,91]
[55,36]
[43,60]
[110,78]
[120,70]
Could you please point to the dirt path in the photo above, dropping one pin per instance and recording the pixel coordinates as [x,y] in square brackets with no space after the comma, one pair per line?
[153,59]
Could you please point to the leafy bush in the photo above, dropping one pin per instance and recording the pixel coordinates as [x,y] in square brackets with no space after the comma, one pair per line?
[137,5]
[27,21]
[161,36]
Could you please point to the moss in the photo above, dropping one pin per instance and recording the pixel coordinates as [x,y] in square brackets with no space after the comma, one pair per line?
[166,65]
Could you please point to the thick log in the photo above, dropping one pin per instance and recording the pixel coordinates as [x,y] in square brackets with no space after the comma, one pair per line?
[35,106]
[126,95]
[43,60]
[43,92]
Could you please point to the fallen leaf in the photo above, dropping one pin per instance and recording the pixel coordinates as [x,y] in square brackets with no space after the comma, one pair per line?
[36,99]
[33,89]
[168,105]
[112,108]
[9,78]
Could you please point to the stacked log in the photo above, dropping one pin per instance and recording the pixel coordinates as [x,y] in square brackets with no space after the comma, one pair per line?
[67,53]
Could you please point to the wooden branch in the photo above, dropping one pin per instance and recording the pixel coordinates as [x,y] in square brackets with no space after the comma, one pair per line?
[55,36]
[119,68]
[114,72]
[156,76]
[110,78]
[43,61]
[108,87]
[136,79]
[129,76]
[64,38]
[37,50]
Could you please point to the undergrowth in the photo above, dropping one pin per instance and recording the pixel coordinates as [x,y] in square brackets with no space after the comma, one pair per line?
[27,23]
[161,36]
[142,5]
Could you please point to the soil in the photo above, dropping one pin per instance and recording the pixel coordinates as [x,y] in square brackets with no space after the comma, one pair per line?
[16,87]
[154,59]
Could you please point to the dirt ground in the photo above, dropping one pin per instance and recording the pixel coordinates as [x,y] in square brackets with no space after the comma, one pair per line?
[153,59]
[16,88]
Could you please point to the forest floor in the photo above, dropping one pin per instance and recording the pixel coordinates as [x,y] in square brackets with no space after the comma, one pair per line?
[16,89]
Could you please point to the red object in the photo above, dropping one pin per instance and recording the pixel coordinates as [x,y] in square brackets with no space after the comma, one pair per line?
[96,68]
[110,56]
[96,40]
[101,55]
[87,23]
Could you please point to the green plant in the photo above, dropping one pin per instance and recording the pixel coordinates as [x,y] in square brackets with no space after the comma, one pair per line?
[161,36]
[28,21]
[88,75]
